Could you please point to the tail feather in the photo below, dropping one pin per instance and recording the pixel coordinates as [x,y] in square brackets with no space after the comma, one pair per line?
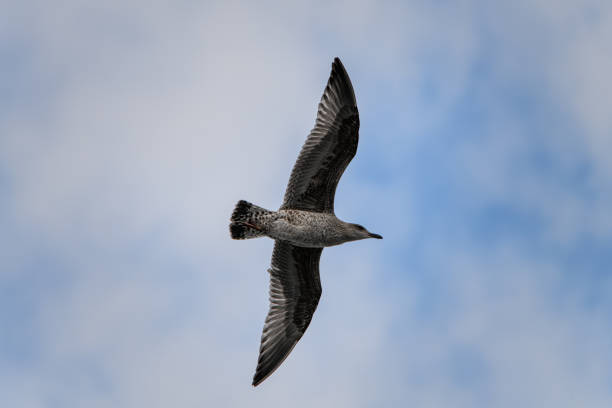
[246,221]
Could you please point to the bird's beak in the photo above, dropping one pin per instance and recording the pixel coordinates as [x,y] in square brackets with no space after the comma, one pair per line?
[375,236]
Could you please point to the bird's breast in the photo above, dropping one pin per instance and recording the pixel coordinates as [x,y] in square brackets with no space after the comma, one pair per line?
[304,228]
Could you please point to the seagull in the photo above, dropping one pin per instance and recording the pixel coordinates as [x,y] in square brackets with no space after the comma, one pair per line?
[305,222]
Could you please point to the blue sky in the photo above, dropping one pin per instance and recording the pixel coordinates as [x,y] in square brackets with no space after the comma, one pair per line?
[128,130]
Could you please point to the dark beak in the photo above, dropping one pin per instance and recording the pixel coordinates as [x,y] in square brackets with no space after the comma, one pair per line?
[375,236]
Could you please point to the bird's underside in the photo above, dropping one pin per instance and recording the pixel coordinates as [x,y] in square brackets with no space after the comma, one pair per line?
[295,287]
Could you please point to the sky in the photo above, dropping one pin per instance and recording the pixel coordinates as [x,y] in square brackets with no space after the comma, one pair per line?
[128,131]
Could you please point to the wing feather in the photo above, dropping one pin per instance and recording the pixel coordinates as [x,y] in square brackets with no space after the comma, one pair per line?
[329,148]
[295,289]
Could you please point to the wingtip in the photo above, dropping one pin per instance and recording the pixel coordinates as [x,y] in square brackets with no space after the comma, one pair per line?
[337,62]
[258,378]
[260,375]
[340,76]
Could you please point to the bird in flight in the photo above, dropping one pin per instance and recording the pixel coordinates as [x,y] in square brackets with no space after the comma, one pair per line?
[305,222]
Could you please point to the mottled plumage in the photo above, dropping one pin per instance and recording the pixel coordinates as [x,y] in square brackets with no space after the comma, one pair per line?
[329,148]
[305,223]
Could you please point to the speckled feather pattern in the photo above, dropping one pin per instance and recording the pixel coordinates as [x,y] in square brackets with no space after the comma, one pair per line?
[295,289]
[305,222]
[329,148]
[307,229]
[302,228]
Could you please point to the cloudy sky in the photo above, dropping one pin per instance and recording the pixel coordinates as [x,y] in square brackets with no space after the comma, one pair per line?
[128,130]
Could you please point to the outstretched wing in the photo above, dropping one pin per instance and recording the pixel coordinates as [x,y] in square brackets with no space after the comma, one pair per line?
[295,289]
[328,149]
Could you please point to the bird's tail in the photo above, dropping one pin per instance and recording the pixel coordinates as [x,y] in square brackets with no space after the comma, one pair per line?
[246,221]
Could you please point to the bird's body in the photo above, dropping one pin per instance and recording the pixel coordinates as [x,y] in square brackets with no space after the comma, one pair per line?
[310,229]
[307,229]
[305,223]
[304,228]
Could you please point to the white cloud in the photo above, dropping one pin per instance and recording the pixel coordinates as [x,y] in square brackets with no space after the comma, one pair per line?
[156,118]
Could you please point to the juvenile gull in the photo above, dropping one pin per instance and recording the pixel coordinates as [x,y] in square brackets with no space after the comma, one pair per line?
[305,223]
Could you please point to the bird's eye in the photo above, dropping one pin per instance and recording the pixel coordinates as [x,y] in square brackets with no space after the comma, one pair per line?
[360,227]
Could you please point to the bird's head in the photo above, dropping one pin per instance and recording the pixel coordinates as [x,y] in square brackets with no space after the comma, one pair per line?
[357,232]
